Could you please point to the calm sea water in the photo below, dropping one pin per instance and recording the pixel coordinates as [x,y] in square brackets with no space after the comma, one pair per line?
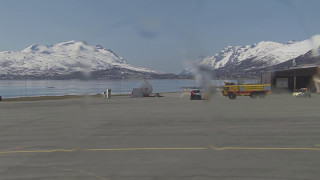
[17,88]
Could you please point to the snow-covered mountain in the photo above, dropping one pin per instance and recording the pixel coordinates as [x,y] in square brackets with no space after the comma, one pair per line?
[257,56]
[65,59]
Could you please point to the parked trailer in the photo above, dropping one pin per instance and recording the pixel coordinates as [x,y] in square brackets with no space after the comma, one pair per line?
[253,90]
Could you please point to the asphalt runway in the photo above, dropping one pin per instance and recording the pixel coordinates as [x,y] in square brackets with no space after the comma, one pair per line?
[157,138]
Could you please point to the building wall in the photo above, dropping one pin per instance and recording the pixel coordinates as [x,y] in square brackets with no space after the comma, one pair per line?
[266,78]
[304,78]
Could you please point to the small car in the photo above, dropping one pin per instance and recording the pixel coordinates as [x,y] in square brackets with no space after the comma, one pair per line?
[303,92]
[195,95]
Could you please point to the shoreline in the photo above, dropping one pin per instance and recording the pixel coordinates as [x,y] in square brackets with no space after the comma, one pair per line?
[63,97]
[59,97]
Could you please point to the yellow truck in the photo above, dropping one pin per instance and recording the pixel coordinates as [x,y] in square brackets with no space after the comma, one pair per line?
[253,90]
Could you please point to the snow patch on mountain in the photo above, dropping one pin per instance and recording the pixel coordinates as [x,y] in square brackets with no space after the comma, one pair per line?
[63,58]
[266,53]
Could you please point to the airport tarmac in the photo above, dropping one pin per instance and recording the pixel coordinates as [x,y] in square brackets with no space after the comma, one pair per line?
[155,138]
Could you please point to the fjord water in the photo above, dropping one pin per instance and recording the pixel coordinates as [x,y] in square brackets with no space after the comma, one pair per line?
[22,88]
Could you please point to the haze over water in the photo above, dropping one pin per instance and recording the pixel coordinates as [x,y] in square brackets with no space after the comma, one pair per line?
[20,88]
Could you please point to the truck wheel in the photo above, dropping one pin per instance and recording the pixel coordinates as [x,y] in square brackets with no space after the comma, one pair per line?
[253,95]
[232,96]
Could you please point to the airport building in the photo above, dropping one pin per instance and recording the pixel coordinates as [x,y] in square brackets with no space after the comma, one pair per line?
[293,78]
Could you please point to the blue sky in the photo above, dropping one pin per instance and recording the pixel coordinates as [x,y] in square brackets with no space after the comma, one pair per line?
[157,34]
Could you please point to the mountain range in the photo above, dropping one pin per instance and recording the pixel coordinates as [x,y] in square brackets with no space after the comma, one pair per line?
[79,60]
[250,60]
[70,60]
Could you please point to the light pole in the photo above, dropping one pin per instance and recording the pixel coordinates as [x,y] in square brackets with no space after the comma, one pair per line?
[294,63]
[294,80]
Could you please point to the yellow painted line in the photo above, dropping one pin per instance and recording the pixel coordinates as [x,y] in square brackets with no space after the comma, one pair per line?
[260,148]
[38,151]
[118,149]
[136,149]
[187,148]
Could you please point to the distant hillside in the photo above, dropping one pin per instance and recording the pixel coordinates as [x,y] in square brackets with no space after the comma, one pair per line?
[250,60]
[70,60]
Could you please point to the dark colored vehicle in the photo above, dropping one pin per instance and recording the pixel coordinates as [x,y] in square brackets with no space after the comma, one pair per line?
[195,95]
